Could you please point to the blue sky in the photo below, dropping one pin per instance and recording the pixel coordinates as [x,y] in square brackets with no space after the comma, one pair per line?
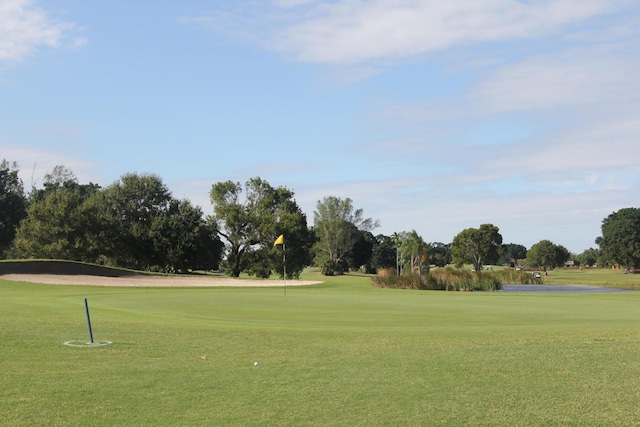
[432,116]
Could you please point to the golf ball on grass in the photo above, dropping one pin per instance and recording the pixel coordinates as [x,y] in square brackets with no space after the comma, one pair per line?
[255,363]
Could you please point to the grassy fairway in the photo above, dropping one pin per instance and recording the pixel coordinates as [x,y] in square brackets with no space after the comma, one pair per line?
[342,353]
[594,277]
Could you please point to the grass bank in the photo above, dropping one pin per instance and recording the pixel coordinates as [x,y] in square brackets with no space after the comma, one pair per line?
[593,277]
[340,353]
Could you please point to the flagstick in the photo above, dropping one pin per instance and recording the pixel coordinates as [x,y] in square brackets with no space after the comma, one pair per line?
[86,309]
[284,266]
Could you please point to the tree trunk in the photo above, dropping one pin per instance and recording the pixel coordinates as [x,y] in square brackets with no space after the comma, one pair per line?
[237,255]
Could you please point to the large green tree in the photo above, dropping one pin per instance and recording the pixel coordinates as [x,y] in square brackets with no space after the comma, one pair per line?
[250,224]
[478,246]
[413,252]
[511,253]
[61,223]
[439,253]
[133,223]
[337,225]
[186,239]
[620,240]
[13,203]
[546,254]
[143,227]
[383,254]
[128,209]
[588,257]
[361,253]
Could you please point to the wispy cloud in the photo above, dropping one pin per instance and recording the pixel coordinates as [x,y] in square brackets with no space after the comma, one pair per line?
[355,31]
[578,78]
[573,105]
[438,211]
[34,163]
[25,28]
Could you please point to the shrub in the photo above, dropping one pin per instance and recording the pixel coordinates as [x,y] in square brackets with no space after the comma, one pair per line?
[451,279]
[386,272]
[333,268]
[509,276]
[393,281]
[445,279]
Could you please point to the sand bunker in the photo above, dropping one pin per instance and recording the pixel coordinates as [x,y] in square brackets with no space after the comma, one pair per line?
[151,281]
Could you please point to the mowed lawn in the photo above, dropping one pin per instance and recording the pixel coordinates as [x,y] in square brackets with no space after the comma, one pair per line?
[594,277]
[342,353]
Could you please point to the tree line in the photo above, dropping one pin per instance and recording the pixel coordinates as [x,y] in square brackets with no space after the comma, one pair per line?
[137,223]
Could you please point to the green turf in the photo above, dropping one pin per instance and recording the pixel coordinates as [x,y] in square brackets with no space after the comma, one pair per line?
[341,353]
[594,277]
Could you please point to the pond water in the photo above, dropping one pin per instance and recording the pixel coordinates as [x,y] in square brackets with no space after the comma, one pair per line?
[559,288]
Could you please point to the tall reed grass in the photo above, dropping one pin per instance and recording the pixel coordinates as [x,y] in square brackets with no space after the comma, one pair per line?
[452,279]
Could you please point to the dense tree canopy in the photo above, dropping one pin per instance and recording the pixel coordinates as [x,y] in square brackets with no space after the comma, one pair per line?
[185,238]
[413,255]
[510,253]
[129,210]
[141,226]
[61,223]
[251,224]
[620,240]
[362,251]
[589,257]
[439,253]
[546,254]
[477,246]
[337,225]
[133,223]
[384,253]
[290,222]
[13,203]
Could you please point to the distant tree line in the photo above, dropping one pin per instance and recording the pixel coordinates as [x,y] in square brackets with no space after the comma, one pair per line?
[137,223]
[133,223]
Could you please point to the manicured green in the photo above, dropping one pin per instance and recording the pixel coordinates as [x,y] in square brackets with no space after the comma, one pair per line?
[340,353]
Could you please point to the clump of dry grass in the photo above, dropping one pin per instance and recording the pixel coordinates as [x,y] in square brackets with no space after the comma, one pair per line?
[443,279]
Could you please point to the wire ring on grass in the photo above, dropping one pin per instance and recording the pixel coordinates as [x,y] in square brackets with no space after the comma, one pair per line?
[86,344]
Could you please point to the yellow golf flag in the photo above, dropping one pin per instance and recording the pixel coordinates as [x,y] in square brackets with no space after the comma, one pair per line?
[279,240]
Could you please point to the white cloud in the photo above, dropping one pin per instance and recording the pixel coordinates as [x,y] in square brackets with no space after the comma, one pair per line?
[607,145]
[438,211]
[588,97]
[580,98]
[582,77]
[34,163]
[292,3]
[24,28]
[354,31]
